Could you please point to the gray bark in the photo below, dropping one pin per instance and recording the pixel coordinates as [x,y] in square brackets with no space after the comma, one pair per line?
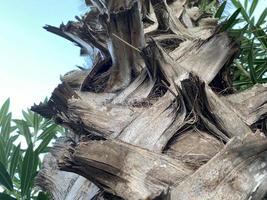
[149,123]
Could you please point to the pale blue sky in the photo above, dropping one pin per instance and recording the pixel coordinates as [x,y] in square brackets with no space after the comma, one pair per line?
[31,59]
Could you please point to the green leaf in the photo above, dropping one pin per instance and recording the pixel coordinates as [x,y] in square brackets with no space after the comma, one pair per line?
[47,137]
[3,157]
[238,33]
[9,146]
[14,160]
[47,149]
[46,123]
[19,168]
[220,10]
[260,61]
[260,35]
[262,18]
[251,65]
[231,21]
[13,138]
[27,116]
[24,130]
[238,5]
[4,109]
[29,167]
[5,179]
[241,83]
[47,131]
[253,6]
[246,4]
[4,196]
[36,122]
[42,196]
[262,70]
[256,30]
[6,126]
[12,129]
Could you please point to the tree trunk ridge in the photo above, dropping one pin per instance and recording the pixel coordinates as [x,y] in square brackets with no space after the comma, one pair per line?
[148,119]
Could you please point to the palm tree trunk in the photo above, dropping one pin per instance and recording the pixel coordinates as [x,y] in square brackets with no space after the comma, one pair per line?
[149,118]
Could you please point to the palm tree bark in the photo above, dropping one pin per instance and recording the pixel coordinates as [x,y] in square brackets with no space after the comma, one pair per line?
[148,118]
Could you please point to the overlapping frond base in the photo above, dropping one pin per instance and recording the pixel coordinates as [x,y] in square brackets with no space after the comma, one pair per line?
[156,116]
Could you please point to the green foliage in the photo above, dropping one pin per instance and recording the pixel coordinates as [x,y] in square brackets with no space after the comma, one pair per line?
[19,162]
[231,21]
[5,179]
[251,65]
[220,10]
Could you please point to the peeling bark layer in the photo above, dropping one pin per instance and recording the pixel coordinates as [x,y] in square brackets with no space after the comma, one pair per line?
[64,185]
[142,174]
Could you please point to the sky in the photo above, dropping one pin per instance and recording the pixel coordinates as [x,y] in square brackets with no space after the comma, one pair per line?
[31,59]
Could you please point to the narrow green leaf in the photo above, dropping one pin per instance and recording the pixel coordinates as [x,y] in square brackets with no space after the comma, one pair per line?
[36,122]
[260,61]
[28,118]
[252,21]
[4,109]
[260,35]
[263,80]
[24,130]
[14,160]
[42,196]
[29,166]
[246,4]
[262,18]
[4,196]
[47,131]
[238,33]
[6,126]
[3,157]
[46,123]
[19,168]
[220,10]
[5,179]
[253,7]
[256,30]
[231,21]
[241,83]
[251,65]
[12,129]
[262,70]
[47,149]
[9,146]
[46,140]
[238,5]
[13,138]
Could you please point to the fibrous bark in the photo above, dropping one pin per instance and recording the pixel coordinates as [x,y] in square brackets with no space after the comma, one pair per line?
[149,116]
[64,185]
[142,174]
[237,172]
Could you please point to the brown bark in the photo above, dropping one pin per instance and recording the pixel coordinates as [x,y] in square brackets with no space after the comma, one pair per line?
[148,122]
[237,172]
